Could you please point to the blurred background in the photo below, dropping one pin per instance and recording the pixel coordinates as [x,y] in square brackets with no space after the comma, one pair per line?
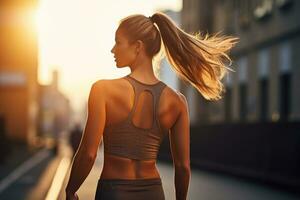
[244,146]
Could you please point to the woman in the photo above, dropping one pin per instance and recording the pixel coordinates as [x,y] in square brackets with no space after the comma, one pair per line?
[134,113]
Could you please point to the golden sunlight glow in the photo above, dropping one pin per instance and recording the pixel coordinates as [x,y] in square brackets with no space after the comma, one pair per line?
[76,36]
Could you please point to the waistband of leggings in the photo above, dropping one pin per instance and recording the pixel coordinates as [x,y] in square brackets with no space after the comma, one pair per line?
[132,181]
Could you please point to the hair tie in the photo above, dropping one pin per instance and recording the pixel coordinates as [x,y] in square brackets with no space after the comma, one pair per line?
[151,19]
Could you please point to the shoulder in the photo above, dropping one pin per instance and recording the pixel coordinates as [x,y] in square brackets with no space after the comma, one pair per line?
[98,85]
[98,89]
[178,96]
[182,99]
[104,86]
[182,103]
[178,99]
[107,82]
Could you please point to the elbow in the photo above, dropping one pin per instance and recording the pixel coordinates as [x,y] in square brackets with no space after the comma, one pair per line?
[182,171]
[183,168]
[90,157]
[87,157]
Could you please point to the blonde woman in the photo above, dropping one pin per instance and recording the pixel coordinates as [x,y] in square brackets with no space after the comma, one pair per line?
[134,113]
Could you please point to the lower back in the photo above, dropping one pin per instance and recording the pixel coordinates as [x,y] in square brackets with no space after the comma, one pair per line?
[116,167]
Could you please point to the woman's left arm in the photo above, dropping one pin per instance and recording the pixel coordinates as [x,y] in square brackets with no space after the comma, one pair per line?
[86,154]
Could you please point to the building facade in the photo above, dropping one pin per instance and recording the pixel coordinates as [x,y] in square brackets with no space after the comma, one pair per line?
[55,110]
[264,84]
[18,70]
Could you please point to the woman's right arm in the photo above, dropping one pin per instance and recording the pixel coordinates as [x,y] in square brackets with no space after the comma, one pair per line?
[180,149]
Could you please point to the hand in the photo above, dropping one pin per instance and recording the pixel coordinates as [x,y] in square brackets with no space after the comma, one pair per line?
[70,196]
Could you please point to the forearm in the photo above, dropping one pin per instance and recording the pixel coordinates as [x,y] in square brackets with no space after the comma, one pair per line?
[182,179]
[81,167]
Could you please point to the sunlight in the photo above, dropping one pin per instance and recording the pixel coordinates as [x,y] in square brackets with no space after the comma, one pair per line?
[76,36]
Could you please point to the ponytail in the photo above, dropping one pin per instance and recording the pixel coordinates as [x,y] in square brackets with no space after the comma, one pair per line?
[199,59]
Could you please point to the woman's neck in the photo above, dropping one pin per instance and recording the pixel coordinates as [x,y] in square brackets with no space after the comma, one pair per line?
[143,70]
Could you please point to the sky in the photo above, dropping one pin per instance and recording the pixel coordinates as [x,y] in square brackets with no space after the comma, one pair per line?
[76,36]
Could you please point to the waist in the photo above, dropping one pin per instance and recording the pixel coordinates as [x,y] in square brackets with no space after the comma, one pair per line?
[132,152]
[148,181]
[116,167]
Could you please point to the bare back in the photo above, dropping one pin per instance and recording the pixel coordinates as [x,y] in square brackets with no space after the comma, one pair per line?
[120,95]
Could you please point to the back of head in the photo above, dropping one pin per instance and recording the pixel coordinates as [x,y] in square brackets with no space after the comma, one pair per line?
[199,59]
[140,27]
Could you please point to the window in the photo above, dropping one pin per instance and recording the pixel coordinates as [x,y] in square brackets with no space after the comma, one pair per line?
[243,101]
[227,104]
[243,13]
[264,99]
[263,9]
[228,97]
[242,77]
[263,72]
[284,98]
[284,80]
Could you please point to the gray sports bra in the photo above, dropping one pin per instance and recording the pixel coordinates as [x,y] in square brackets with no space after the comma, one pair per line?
[125,139]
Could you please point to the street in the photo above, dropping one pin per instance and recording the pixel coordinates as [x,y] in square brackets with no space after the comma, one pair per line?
[203,185]
[44,176]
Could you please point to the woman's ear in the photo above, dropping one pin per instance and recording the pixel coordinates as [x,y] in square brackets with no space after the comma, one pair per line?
[139,46]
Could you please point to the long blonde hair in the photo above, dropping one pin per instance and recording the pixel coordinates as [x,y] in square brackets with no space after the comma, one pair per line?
[199,59]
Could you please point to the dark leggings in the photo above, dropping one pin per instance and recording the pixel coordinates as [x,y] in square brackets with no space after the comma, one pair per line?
[123,189]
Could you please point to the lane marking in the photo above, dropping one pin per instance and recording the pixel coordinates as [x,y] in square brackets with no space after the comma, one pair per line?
[58,179]
[23,168]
